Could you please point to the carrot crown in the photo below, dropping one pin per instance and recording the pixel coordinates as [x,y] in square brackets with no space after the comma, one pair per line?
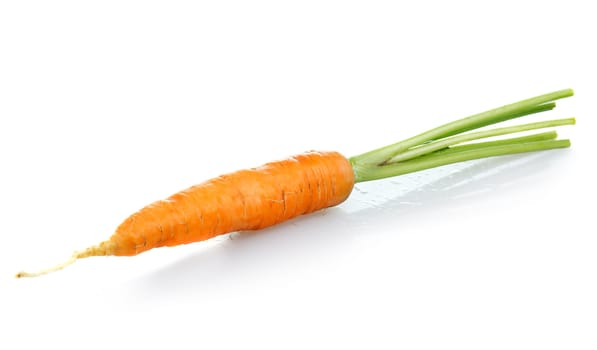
[444,144]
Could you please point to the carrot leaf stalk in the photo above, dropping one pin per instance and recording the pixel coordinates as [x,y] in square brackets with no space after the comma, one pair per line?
[443,145]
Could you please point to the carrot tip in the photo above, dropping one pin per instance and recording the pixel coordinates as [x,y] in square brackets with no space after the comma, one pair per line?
[46,271]
[104,248]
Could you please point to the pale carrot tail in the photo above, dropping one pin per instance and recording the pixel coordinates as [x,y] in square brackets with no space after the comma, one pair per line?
[59,267]
[104,248]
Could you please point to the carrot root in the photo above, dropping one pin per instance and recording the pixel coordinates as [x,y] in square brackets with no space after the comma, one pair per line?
[104,248]
[59,267]
[249,199]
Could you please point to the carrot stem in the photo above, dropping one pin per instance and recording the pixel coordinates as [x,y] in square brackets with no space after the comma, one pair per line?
[524,112]
[368,173]
[544,136]
[440,146]
[443,143]
[515,110]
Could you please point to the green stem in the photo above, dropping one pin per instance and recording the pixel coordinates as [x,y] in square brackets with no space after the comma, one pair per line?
[443,143]
[525,107]
[372,172]
[544,136]
[532,110]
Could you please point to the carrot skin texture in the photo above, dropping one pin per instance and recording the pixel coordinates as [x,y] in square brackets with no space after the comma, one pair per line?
[249,199]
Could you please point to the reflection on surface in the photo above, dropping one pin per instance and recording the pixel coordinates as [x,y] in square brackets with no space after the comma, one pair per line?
[449,183]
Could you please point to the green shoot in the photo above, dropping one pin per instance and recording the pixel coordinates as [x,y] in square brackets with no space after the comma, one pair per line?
[544,136]
[442,145]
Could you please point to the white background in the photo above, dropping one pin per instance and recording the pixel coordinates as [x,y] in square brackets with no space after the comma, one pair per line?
[107,106]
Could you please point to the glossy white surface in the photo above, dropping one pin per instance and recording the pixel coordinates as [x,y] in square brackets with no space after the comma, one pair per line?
[105,108]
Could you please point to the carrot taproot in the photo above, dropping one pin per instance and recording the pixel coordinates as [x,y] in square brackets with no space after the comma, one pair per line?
[244,200]
[260,197]
[249,199]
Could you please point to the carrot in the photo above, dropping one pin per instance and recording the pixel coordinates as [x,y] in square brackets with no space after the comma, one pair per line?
[260,197]
[245,200]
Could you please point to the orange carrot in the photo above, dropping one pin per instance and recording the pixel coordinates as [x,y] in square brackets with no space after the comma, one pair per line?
[278,191]
[244,200]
